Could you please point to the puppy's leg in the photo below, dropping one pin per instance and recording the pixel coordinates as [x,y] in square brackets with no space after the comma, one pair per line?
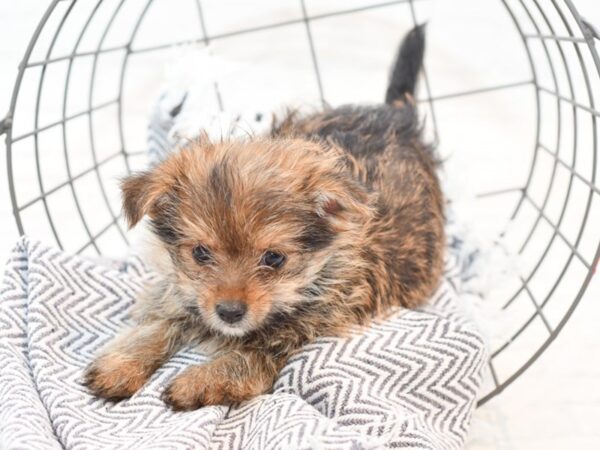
[230,378]
[125,365]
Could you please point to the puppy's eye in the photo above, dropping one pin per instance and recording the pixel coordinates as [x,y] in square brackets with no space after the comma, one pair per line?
[272,259]
[201,254]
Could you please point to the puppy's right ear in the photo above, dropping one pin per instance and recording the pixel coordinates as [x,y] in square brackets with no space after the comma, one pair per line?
[140,193]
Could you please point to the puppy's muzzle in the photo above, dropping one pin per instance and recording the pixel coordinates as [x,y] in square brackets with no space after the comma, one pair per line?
[231,311]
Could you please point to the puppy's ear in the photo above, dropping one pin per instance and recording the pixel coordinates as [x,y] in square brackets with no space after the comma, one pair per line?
[328,205]
[344,205]
[141,193]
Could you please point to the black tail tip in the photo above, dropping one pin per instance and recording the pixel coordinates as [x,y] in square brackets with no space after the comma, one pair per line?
[408,64]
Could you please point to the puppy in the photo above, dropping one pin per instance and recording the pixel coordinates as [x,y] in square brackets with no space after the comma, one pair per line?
[264,244]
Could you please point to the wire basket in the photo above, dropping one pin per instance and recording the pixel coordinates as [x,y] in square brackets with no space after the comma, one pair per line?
[78,116]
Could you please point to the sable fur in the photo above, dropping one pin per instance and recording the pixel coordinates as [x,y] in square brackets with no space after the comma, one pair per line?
[351,198]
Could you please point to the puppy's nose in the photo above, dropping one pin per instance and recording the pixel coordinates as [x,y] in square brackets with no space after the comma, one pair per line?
[231,311]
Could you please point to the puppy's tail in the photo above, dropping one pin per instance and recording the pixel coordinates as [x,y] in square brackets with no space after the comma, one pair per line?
[403,78]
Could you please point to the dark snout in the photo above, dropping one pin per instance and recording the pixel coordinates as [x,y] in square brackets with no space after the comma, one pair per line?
[231,311]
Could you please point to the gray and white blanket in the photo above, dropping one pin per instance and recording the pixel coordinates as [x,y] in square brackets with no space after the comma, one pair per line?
[408,381]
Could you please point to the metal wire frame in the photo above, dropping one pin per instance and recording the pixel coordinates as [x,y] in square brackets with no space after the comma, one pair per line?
[589,36]
[523,14]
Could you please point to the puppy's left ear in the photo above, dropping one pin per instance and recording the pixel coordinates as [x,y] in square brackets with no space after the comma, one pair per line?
[345,205]
[141,193]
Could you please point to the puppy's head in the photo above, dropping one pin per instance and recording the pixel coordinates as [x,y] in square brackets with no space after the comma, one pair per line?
[251,228]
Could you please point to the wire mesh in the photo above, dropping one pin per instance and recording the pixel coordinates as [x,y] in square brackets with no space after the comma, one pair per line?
[62,164]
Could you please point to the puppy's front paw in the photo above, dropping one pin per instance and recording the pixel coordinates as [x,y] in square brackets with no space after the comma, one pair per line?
[188,390]
[115,377]
[197,387]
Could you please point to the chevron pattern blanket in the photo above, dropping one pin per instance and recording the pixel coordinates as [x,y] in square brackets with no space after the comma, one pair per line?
[408,381]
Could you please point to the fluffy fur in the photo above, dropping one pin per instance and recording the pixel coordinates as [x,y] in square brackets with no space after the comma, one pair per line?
[348,197]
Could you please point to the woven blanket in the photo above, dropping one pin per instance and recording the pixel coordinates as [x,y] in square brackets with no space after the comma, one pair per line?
[408,381]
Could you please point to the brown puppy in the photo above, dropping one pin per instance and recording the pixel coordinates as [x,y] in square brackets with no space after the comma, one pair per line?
[267,243]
